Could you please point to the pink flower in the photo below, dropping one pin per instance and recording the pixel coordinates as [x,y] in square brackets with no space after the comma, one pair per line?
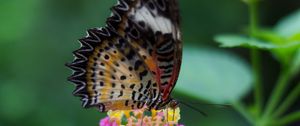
[160,114]
[104,121]
[114,123]
[108,122]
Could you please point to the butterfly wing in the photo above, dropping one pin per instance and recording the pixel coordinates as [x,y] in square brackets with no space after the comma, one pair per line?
[134,59]
[109,74]
[152,28]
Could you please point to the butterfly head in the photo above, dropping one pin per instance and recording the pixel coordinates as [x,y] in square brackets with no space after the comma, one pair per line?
[173,103]
[169,103]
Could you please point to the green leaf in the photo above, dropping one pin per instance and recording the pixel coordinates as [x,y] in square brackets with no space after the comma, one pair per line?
[286,47]
[295,37]
[270,36]
[213,75]
[289,25]
[289,29]
[285,55]
[238,41]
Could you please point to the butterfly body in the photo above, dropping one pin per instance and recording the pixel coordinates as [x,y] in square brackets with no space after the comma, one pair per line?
[132,62]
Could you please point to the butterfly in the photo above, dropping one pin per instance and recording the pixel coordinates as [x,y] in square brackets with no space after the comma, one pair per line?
[132,62]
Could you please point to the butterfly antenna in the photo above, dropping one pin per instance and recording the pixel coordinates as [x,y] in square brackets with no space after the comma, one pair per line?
[222,105]
[196,109]
[217,105]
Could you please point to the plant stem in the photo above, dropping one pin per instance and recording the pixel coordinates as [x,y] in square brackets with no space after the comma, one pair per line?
[255,56]
[288,119]
[277,92]
[253,17]
[241,109]
[291,98]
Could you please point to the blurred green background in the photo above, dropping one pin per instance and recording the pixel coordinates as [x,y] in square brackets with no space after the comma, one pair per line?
[38,36]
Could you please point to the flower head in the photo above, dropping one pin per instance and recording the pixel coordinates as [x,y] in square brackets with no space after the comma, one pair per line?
[142,117]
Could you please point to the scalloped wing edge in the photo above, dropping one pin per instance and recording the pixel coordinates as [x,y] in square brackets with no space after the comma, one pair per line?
[87,44]
[79,63]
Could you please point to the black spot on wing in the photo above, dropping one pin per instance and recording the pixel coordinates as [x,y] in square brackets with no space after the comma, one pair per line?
[142,74]
[137,64]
